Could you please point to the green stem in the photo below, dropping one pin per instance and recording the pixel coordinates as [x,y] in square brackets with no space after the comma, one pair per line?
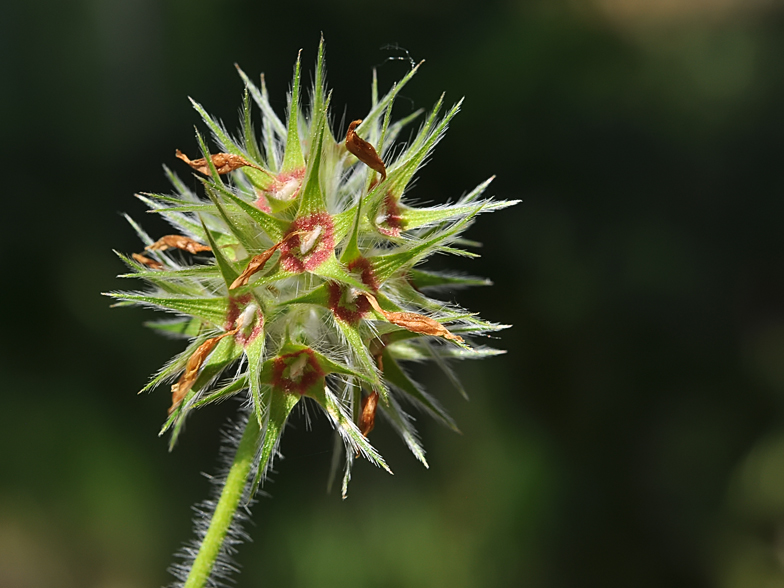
[230,498]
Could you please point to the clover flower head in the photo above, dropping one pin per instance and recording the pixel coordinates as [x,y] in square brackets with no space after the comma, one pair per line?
[297,273]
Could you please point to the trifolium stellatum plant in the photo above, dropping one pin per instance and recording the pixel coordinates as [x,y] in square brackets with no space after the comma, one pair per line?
[295,275]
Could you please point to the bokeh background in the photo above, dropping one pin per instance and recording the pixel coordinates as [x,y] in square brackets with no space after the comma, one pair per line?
[633,435]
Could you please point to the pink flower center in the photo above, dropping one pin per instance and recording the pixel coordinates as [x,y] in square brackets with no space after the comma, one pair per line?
[245,315]
[262,203]
[311,248]
[296,372]
[362,266]
[348,306]
[285,188]
[389,221]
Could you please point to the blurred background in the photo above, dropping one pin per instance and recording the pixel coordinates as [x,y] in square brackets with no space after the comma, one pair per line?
[633,435]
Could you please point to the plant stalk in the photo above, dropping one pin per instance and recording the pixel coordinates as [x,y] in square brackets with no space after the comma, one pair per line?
[231,495]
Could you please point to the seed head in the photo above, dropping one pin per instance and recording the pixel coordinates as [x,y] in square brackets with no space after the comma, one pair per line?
[297,274]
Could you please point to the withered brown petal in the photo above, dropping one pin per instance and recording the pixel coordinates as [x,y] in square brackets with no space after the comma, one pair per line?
[223,162]
[191,373]
[151,263]
[257,262]
[414,322]
[367,418]
[364,151]
[177,242]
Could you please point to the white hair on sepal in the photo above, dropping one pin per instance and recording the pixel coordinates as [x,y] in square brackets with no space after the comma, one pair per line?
[393,149]
[142,234]
[354,177]
[307,322]
[304,409]
[181,189]
[332,182]
[174,367]
[347,398]
[323,346]
[320,339]
[241,366]
[224,383]
[347,193]
[424,305]
[248,405]
[401,422]
[347,474]
[325,320]
[353,438]
[337,453]
[331,346]
[345,386]
[341,344]
[444,366]
[179,220]
[269,467]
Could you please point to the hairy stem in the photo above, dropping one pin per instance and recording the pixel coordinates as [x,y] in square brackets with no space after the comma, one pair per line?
[231,495]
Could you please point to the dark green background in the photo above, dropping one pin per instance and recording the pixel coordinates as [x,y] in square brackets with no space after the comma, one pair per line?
[632,436]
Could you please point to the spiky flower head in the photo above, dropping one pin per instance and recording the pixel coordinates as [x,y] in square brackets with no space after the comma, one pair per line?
[297,274]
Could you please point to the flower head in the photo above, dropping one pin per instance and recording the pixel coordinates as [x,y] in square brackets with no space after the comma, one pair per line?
[297,273]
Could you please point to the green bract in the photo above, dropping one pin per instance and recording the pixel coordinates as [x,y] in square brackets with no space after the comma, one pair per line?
[339,303]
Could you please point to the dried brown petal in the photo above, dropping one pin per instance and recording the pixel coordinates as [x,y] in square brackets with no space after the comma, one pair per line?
[223,162]
[191,373]
[414,322]
[177,242]
[364,151]
[151,263]
[257,262]
[367,419]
